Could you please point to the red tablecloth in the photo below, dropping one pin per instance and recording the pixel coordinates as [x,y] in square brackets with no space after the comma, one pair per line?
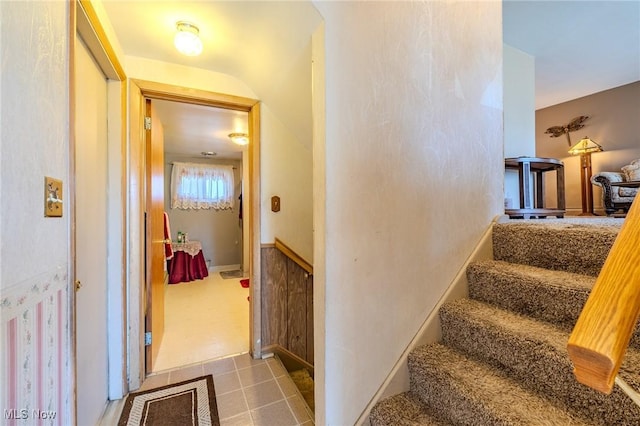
[184,268]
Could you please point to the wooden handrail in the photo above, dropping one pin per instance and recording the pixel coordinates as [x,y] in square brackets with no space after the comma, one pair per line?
[602,333]
[294,256]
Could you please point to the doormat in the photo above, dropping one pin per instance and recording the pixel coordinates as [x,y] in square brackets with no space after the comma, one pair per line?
[231,274]
[192,402]
[244,283]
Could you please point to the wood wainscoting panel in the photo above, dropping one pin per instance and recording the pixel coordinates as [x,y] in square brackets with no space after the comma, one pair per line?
[297,317]
[287,304]
[309,295]
[274,297]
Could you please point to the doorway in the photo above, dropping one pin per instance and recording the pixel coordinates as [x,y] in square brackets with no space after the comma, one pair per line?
[97,211]
[142,90]
[206,315]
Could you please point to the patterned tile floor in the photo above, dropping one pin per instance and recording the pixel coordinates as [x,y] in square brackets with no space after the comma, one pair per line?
[248,392]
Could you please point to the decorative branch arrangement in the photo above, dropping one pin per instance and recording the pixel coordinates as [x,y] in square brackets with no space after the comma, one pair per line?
[574,124]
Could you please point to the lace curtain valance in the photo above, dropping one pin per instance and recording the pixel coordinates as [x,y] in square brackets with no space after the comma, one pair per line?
[201,186]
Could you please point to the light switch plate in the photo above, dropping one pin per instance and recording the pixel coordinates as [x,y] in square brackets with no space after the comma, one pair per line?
[52,197]
[275,203]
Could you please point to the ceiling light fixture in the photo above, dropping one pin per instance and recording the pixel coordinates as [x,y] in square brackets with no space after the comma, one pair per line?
[239,138]
[187,39]
[208,153]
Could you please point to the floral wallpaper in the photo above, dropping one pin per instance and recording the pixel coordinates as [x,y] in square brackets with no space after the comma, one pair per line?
[35,361]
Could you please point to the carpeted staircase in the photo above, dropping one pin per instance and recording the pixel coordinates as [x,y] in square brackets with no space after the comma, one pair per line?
[503,359]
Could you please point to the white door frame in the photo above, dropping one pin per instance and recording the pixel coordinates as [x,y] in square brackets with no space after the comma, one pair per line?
[139,90]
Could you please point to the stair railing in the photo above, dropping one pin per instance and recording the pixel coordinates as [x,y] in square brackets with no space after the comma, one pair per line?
[287,251]
[603,331]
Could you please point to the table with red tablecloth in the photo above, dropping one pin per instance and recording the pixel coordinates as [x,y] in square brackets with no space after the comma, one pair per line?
[187,263]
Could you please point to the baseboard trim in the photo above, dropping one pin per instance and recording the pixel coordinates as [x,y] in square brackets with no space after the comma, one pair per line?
[224,268]
[397,381]
[291,361]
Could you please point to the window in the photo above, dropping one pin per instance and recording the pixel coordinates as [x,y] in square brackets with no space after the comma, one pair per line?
[201,186]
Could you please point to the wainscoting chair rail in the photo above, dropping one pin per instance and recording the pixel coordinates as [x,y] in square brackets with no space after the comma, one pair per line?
[287,251]
[603,331]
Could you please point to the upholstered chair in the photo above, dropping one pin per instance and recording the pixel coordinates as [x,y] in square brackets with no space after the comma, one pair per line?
[615,197]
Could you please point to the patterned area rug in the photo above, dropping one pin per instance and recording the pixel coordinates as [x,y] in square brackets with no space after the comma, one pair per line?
[231,274]
[192,402]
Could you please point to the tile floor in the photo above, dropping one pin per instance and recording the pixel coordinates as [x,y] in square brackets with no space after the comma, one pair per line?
[204,319]
[207,332]
[248,392]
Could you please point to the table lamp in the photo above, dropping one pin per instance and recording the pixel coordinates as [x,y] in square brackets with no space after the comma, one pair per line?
[584,148]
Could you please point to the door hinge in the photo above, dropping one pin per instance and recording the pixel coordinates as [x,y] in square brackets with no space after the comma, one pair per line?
[147,123]
[147,338]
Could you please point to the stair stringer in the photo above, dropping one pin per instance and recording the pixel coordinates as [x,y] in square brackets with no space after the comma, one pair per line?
[397,381]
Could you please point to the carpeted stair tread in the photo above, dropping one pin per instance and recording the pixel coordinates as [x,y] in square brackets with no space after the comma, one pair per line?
[534,353]
[579,247]
[552,296]
[503,358]
[469,392]
[404,409]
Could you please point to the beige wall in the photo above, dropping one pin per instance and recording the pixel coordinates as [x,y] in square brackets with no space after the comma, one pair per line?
[180,75]
[519,103]
[220,232]
[414,175]
[286,160]
[35,137]
[287,166]
[614,123]
[519,116]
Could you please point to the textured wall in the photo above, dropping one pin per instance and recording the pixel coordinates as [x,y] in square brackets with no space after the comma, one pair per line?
[33,276]
[34,136]
[180,75]
[414,175]
[613,123]
[286,171]
[286,161]
[519,116]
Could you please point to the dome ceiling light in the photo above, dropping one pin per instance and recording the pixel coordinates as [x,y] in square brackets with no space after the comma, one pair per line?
[187,39]
[239,138]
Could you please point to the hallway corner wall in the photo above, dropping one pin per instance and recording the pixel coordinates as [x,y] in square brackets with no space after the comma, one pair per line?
[414,175]
[34,283]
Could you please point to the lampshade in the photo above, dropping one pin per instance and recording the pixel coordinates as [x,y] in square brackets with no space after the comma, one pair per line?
[239,138]
[585,146]
[187,39]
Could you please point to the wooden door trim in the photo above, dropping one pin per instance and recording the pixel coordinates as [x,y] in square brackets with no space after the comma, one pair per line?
[155,90]
[83,20]
[154,314]
[71,294]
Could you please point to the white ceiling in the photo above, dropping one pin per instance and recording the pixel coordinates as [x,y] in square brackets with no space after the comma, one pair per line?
[191,129]
[580,47]
[265,44]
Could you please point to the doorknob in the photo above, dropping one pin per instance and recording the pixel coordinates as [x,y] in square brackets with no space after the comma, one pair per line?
[78,285]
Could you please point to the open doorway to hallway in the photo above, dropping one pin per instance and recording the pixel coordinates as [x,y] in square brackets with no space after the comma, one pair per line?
[206,315]
[204,320]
